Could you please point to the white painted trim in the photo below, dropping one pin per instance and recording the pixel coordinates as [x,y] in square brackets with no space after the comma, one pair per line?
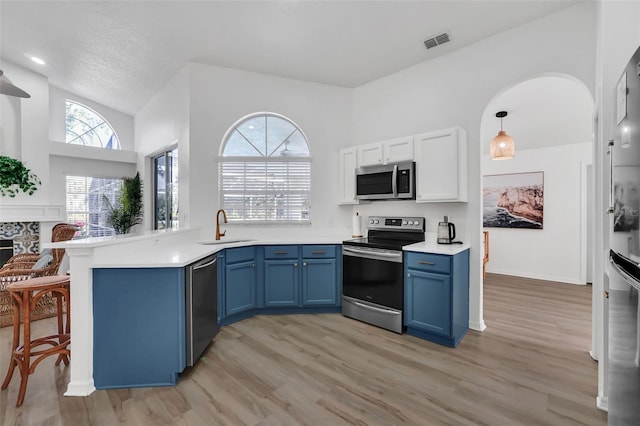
[543,277]
[92,153]
[31,213]
[478,326]
[81,367]
[602,403]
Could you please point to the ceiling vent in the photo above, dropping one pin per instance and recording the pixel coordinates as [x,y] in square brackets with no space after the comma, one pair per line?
[437,40]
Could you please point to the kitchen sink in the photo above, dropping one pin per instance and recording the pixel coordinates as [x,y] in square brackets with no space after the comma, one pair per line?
[226,241]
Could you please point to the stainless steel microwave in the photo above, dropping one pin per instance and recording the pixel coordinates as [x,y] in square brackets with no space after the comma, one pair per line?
[387,182]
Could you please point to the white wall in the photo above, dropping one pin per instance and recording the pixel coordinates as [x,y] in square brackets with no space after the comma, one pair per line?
[33,122]
[33,131]
[554,252]
[217,98]
[453,90]
[160,125]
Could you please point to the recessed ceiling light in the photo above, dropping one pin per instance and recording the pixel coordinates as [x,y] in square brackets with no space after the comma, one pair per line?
[37,60]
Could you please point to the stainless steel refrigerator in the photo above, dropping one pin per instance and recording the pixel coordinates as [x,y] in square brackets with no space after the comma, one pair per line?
[624,342]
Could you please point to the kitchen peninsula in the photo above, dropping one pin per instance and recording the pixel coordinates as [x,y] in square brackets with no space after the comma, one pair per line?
[159,250]
[308,265]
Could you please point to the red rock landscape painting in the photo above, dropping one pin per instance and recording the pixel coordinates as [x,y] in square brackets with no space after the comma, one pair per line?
[513,200]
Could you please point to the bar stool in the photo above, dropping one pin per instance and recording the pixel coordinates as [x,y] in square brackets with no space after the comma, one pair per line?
[24,295]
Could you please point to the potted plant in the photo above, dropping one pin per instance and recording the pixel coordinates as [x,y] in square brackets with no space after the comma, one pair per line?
[127,210]
[15,177]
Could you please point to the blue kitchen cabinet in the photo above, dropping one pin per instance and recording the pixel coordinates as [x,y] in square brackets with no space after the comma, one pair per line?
[321,277]
[437,296]
[239,280]
[319,282]
[138,327]
[281,283]
[305,276]
[281,276]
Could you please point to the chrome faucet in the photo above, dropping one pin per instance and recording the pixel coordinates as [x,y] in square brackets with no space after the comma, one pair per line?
[224,215]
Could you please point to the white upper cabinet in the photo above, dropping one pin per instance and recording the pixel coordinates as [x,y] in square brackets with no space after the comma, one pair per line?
[391,151]
[397,150]
[441,166]
[370,155]
[348,162]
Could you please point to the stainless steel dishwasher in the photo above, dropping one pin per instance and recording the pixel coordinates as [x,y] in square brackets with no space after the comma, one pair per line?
[201,306]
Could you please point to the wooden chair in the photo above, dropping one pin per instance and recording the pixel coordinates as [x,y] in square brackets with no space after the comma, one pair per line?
[485,258]
[28,354]
[20,268]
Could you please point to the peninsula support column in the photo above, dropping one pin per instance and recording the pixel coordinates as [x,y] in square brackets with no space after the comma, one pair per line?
[81,372]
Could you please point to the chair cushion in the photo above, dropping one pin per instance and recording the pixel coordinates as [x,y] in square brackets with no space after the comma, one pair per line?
[46,251]
[44,261]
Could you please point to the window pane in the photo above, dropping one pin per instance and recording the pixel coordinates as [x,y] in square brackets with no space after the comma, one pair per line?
[88,201]
[86,127]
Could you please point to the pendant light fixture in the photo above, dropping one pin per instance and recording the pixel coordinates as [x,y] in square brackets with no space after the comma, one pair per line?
[6,88]
[502,146]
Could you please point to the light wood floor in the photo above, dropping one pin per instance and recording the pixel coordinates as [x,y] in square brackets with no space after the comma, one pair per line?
[530,367]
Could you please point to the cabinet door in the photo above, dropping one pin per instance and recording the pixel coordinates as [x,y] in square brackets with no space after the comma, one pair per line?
[281,283]
[397,150]
[441,166]
[319,284]
[428,301]
[347,176]
[370,155]
[240,287]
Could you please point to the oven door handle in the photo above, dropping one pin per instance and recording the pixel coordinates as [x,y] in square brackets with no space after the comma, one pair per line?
[375,255]
[373,308]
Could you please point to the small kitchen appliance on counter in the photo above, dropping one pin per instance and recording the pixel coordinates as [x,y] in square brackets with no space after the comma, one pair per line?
[446,232]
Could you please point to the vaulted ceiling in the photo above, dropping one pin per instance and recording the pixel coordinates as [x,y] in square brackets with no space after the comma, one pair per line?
[119,53]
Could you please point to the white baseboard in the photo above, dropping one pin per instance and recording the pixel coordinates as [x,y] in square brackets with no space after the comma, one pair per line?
[602,403]
[565,280]
[80,388]
[478,326]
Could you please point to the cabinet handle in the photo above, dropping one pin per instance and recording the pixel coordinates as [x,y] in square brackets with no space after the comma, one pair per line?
[295,264]
[408,275]
[424,262]
[318,252]
[253,265]
[304,263]
[280,252]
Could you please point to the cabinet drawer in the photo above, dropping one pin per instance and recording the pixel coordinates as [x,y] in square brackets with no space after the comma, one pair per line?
[281,252]
[429,262]
[318,251]
[240,254]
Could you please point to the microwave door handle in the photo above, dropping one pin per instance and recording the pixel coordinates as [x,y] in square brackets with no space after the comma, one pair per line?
[394,180]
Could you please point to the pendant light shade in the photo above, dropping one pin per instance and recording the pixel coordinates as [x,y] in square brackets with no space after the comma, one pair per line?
[6,88]
[502,146]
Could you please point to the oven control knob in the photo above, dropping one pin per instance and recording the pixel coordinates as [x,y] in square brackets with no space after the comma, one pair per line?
[410,222]
[404,222]
[371,221]
[377,221]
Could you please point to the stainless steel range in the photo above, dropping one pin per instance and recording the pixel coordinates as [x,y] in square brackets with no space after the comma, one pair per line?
[372,270]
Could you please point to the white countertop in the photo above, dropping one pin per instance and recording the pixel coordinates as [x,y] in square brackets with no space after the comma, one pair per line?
[178,248]
[431,247]
[183,253]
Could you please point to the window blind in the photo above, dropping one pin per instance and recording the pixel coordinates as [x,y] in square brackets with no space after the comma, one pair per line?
[254,190]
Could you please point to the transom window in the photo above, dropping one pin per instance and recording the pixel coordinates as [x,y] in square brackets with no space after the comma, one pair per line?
[265,171]
[87,127]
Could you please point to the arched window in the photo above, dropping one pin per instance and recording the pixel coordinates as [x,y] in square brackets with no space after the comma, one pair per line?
[265,171]
[87,127]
